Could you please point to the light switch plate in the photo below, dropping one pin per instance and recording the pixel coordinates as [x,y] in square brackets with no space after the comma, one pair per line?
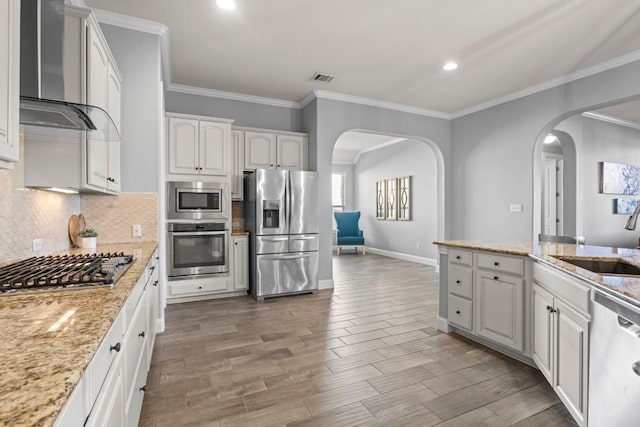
[36,245]
[516,207]
[136,230]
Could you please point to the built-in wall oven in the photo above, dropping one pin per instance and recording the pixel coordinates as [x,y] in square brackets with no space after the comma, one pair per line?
[198,200]
[196,249]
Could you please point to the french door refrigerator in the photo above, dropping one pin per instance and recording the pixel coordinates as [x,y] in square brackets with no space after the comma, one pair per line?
[281,215]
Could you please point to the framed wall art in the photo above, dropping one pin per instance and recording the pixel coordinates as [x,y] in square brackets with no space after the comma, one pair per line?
[381,199]
[392,199]
[624,206]
[617,178]
[404,198]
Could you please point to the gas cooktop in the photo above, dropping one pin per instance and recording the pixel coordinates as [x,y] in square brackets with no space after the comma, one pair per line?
[58,272]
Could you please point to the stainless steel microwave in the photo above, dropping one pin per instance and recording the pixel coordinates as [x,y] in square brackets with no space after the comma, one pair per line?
[198,200]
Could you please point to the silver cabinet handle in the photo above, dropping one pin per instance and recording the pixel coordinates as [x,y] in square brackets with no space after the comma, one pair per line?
[276,239]
[636,368]
[305,238]
[285,257]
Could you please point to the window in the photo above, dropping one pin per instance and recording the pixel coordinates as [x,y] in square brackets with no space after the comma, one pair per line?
[337,192]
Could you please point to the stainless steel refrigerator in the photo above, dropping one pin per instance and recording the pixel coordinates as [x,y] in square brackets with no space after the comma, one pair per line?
[281,215]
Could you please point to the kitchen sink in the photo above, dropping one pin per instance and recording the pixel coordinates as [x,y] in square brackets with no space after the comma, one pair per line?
[612,266]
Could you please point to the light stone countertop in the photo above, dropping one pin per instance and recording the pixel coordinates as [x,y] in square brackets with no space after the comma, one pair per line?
[47,340]
[547,252]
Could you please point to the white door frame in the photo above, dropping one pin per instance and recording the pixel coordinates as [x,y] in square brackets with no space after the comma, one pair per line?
[558,159]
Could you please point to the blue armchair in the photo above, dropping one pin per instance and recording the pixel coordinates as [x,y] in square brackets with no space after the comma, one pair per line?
[348,232]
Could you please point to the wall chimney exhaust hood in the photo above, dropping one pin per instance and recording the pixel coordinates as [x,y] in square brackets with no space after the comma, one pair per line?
[43,107]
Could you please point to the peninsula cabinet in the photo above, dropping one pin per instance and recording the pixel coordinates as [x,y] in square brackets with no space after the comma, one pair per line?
[269,150]
[486,297]
[561,336]
[198,146]
[9,81]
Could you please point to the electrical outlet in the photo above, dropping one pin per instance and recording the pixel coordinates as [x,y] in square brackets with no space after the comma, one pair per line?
[136,230]
[516,207]
[36,245]
[417,245]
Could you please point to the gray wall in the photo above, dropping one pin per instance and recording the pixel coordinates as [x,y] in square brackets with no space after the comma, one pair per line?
[244,113]
[413,158]
[601,141]
[347,171]
[138,58]
[492,153]
[333,118]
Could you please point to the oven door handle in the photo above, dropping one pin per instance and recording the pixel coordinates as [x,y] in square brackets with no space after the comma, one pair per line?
[198,233]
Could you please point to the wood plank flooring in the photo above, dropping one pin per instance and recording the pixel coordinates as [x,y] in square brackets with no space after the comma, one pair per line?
[366,353]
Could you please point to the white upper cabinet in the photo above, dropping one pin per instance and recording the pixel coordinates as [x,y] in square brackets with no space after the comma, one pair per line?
[9,80]
[237,184]
[199,147]
[265,150]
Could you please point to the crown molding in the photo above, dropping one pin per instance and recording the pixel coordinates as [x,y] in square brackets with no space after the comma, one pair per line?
[192,90]
[341,163]
[558,81]
[78,3]
[335,96]
[143,25]
[307,99]
[610,119]
[377,147]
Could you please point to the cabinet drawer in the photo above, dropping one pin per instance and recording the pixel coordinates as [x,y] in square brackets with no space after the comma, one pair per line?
[111,345]
[501,263]
[134,341]
[179,288]
[459,312]
[136,394]
[134,298]
[461,257]
[461,281]
[563,286]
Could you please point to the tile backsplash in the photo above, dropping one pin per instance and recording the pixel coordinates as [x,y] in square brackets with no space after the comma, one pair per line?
[26,215]
[113,216]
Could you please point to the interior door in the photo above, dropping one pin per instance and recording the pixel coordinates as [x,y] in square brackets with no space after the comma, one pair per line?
[550,196]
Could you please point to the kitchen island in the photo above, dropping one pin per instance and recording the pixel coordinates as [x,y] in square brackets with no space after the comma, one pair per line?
[544,304]
[49,338]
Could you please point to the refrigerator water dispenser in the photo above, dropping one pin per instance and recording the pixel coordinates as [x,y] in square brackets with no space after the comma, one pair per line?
[271,213]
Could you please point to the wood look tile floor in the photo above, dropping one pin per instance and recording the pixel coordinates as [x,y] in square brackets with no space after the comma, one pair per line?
[366,353]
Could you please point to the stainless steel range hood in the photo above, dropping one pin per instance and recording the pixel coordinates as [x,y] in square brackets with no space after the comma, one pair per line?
[43,107]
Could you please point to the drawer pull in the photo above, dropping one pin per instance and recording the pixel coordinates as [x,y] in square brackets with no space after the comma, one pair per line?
[116,347]
[496,263]
[152,268]
[458,282]
[141,334]
[549,308]
[155,283]
[495,277]
[199,287]
[457,311]
[457,256]
[143,388]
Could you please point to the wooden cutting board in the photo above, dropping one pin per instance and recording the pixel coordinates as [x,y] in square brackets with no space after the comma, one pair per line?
[76,225]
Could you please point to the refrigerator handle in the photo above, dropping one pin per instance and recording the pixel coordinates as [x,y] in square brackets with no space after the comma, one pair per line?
[287,201]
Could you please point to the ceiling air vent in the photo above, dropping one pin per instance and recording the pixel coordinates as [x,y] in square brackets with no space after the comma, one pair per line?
[324,78]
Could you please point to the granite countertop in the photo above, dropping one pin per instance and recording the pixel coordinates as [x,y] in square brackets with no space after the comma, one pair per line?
[48,339]
[547,252]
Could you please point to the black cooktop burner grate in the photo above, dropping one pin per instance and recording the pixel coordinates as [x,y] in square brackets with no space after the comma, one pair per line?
[64,271]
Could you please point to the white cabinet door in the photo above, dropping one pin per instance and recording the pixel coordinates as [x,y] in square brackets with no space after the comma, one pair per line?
[183,145]
[97,70]
[240,263]
[114,95]
[291,152]
[108,410]
[260,150]
[571,361]
[98,163]
[542,331]
[114,166]
[213,148]
[499,303]
[237,184]
[9,79]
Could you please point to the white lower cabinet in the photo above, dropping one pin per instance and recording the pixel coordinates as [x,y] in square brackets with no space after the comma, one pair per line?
[561,337]
[111,391]
[240,262]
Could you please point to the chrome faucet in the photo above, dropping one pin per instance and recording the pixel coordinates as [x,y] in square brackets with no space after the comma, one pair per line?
[633,219]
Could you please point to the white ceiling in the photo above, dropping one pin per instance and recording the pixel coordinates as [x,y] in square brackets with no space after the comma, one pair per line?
[389,50]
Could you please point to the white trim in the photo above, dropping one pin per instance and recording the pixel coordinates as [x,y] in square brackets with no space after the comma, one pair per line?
[307,99]
[405,257]
[442,324]
[143,25]
[342,163]
[335,96]
[609,119]
[377,147]
[198,117]
[325,284]
[558,81]
[4,164]
[78,3]
[159,326]
[192,90]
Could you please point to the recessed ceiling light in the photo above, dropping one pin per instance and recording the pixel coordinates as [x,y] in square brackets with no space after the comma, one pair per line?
[226,4]
[550,139]
[450,66]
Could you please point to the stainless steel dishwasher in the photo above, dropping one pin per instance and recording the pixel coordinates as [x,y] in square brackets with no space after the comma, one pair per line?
[614,365]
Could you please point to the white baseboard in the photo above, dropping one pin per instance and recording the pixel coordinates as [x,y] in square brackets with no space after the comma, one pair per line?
[159,326]
[325,284]
[406,257]
[443,324]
